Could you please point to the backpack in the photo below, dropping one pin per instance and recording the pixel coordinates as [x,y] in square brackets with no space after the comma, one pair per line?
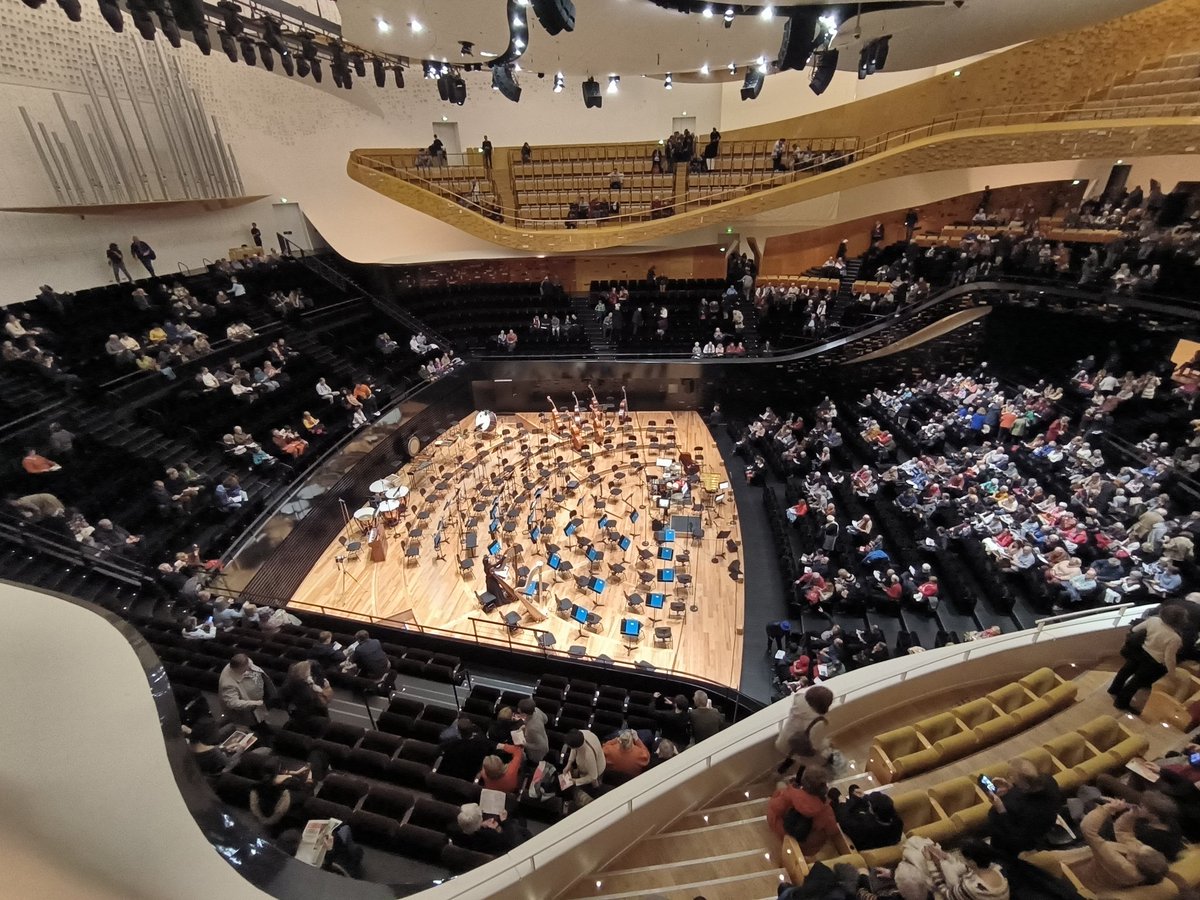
[801,744]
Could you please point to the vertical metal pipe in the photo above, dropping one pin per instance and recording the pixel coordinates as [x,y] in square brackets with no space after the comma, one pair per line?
[207,144]
[69,166]
[237,175]
[41,152]
[169,124]
[75,136]
[189,158]
[231,189]
[143,183]
[187,127]
[141,119]
[100,151]
[126,183]
[203,148]
[68,187]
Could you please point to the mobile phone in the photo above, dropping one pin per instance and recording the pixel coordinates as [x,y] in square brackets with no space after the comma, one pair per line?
[1194,759]
[987,784]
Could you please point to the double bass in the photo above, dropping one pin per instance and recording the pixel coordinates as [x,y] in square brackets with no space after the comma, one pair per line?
[554,422]
[623,409]
[597,417]
[576,431]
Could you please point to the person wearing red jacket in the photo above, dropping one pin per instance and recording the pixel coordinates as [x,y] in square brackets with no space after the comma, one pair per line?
[802,809]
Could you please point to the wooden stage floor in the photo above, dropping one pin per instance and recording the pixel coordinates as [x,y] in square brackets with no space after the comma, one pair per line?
[523,475]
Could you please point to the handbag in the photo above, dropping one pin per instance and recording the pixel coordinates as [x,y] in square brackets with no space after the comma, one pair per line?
[1134,642]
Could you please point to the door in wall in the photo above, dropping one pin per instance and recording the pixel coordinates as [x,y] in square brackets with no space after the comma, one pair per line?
[448,132]
[679,123]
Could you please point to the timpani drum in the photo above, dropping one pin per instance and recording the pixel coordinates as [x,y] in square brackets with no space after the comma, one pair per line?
[390,509]
[364,517]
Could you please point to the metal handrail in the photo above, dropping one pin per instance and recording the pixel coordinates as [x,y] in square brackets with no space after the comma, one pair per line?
[959,121]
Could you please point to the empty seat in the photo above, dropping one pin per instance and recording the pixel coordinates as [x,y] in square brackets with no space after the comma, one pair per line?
[404,706]
[407,773]
[420,751]
[460,859]
[375,830]
[452,790]
[388,801]
[381,742]
[234,789]
[341,733]
[342,789]
[420,843]
[289,743]
[370,763]
[433,814]
[395,724]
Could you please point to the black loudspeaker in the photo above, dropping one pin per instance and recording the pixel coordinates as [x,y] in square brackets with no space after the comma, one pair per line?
[505,83]
[824,65]
[592,98]
[753,84]
[458,90]
[1173,209]
[799,40]
[555,15]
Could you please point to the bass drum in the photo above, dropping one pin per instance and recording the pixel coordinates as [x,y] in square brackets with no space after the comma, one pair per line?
[413,445]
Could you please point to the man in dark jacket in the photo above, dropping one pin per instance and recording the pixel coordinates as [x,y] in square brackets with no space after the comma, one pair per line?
[463,758]
[368,655]
[1023,809]
[673,720]
[706,720]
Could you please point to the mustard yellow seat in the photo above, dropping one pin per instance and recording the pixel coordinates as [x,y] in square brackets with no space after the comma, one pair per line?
[961,801]
[887,857]
[1185,871]
[915,810]
[1006,699]
[934,728]
[1042,759]
[1044,683]
[1169,699]
[895,754]
[1112,739]
[976,712]
[1071,751]
[948,736]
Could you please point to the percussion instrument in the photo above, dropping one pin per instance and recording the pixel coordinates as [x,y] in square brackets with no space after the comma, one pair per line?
[390,509]
[364,517]
[378,487]
[396,493]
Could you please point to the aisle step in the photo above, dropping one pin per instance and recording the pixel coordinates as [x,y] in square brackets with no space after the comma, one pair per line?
[667,875]
[735,887]
[698,843]
[721,815]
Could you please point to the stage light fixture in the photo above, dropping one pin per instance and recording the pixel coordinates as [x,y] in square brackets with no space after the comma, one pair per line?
[288,63]
[383,25]
[733,68]
[142,19]
[398,74]
[729,17]
[667,81]
[33,4]
[708,12]
[268,60]
[249,54]
[466,48]
[228,44]
[873,56]
[416,26]
[272,33]
[202,38]
[302,67]
[314,66]
[308,47]
[614,83]
[555,15]
[73,9]
[378,71]
[360,65]
[170,28]
[559,82]
[112,15]
[704,69]
[767,14]
[231,13]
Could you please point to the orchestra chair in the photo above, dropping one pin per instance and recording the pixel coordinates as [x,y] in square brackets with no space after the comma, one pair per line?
[662,635]
[353,548]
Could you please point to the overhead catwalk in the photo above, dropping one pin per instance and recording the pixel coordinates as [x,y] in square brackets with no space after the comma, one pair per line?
[578,530]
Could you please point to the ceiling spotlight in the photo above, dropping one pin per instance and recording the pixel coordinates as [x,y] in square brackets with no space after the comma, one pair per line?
[704,69]
[708,12]
[466,48]
[249,54]
[829,26]
[360,65]
[614,83]
[383,25]
[378,72]
[288,63]
[264,51]
[302,68]
[559,81]
[315,66]
[228,44]
[518,43]
[398,74]
[202,38]
[112,15]
[667,81]
[34,4]
[733,68]
[74,11]
[230,12]
[142,20]
[416,26]
[517,23]
[166,21]
[729,17]
[767,14]
[762,64]
[308,47]
[272,33]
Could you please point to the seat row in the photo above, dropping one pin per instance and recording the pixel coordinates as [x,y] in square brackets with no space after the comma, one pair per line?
[948,811]
[968,727]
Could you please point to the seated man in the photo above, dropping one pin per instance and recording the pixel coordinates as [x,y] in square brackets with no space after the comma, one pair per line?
[385,345]
[485,834]
[369,656]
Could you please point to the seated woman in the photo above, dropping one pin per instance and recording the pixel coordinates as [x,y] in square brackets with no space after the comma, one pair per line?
[502,772]
[289,442]
[626,754]
[870,821]
[970,873]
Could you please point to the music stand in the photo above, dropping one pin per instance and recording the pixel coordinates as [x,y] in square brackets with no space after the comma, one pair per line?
[580,615]
[493,548]
[666,576]
[655,601]
[596,585]
[631,633]
[437,546]
[666,554]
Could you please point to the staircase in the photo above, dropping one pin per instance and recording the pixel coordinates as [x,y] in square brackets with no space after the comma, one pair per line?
[581,306]
[849,276]
[722,850]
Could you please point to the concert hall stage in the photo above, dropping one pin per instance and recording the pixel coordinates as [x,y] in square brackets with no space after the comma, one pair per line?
[554,500]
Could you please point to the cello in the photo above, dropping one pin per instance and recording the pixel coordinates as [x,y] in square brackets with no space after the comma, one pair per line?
[554,422]
[597,417]
[576,431]
[623,409]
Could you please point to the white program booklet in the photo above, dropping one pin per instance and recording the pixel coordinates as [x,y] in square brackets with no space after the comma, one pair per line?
[491,802]
[312,842]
